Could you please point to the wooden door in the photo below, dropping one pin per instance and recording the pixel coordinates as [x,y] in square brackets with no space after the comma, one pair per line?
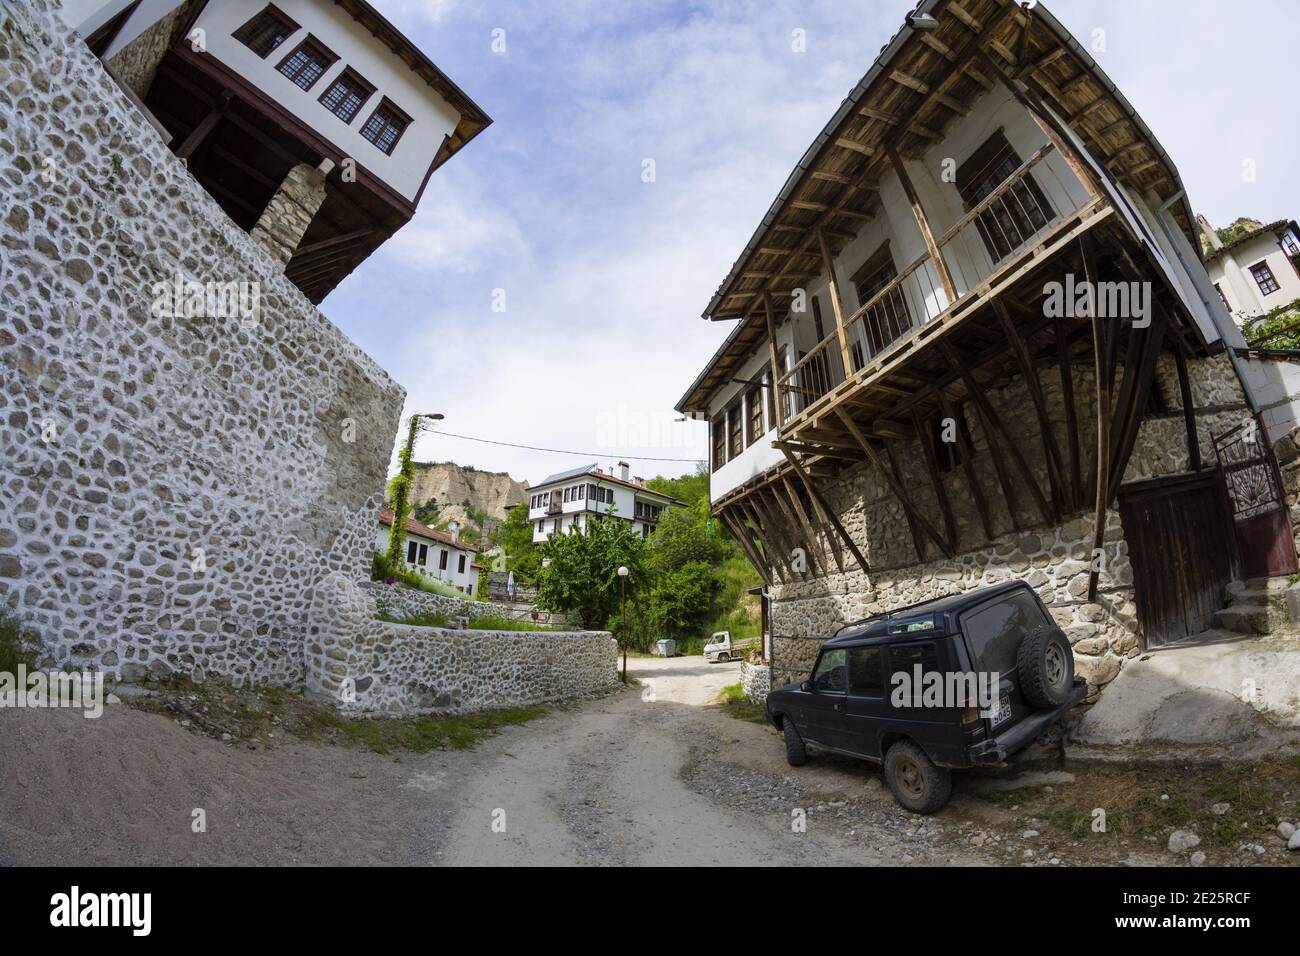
[1252,487]
[1181,554]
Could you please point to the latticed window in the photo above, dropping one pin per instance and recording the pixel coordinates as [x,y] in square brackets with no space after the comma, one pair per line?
[1264,278]
[346,95]
[754,402]
[265,32]
[385,126]
[307,64]
[737,437]
[718,432]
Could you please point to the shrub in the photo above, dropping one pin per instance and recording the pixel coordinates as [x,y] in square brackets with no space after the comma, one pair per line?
[19,644]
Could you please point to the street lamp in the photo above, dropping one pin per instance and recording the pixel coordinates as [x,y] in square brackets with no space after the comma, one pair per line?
[622,612]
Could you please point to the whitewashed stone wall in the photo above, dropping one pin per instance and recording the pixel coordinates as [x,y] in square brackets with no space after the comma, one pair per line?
[372,667]
[755,681]
[171,489]
[410,601]
[1053,558]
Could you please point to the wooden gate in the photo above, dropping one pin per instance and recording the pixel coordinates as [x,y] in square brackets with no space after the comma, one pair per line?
[1178,546]
[1261,522]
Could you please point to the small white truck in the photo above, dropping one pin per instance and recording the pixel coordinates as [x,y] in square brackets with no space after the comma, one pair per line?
[722,648]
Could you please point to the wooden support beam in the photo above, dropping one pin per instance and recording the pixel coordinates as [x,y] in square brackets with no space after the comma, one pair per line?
[775,542]
[826,513]
[778,394]
[1103,425]
[913,527]
[968,464]
[1153,338]
[205,127]
[791,537]
[837,308]
[734,526]
[1189,412]
[895,481]
[845,143]
[958,11]
[923,224]
[1051,450]
[936,480]
[1071,415]
[799,509]
[762,537]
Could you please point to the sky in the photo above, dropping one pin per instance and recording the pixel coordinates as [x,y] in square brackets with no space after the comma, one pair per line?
[548,291]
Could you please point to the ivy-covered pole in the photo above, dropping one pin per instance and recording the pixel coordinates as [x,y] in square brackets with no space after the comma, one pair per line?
[401,491]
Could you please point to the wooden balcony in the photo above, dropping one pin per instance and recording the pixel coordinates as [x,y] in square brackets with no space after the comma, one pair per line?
[1009,226]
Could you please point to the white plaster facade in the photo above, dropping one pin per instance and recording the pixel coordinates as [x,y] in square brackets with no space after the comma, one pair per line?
[569,499]
[1231,268]
[436,554]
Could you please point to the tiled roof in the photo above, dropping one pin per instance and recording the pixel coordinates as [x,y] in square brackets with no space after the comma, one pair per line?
[602,476]
[414,527]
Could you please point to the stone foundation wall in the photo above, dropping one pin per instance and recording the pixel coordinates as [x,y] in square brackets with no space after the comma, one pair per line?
[755,681]
[412,602]
[173,481]
[1053,558]
[368,666]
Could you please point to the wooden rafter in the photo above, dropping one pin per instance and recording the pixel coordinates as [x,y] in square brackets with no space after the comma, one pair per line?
[1189,412]
[1071,416]
[936,480]
[1051,449]
[968,464]
[827,514]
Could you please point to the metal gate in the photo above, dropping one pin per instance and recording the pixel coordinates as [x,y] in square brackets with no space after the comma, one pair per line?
[1252,487]
[1177,538]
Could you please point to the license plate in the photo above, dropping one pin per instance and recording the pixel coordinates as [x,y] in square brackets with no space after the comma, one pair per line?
[1001,712]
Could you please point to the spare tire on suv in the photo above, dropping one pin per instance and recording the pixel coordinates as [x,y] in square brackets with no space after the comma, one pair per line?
[1045,666]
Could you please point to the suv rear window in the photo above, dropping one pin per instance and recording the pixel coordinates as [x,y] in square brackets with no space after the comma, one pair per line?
[903,658]
[994,631]
[865,676]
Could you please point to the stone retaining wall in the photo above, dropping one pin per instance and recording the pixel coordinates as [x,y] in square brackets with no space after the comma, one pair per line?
[755,681]
[172,483]
[372,667]
[411,602]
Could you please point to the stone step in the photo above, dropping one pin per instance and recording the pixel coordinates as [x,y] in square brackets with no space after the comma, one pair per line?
[1245,618]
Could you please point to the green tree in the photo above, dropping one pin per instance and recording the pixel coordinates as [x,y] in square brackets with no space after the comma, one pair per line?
[683,601]
[399,490]
[580,572]
[687,535]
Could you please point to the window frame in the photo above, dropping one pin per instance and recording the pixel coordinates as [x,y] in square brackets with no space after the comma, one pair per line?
[286,22]
[882,683]
[398,113]
[327,59]
[1263,266]
[821,658]
[348,75]
[718,439]
[754,420]
[735,430]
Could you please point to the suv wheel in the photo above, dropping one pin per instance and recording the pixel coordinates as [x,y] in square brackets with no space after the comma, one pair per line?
[1045,666]
[914,780]
[796,754]
[723,658]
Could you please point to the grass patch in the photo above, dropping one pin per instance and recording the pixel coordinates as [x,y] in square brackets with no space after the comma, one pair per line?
[497,622]
[737,705]
[19,644]
[264,716]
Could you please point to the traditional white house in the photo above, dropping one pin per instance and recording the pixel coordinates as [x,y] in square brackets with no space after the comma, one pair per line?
[571,498]
[438,554]
[1257,271]
[315,124]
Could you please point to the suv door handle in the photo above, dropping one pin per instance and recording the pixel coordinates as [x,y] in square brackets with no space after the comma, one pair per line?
[839,706]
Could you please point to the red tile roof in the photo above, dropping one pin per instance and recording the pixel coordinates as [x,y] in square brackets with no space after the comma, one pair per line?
[414,527]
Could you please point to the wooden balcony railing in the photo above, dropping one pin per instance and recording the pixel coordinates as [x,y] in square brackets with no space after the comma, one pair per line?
[993,233]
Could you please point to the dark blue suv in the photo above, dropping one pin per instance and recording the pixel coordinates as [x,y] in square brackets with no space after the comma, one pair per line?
[953,682]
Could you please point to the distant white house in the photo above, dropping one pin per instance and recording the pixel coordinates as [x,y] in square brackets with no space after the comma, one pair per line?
[1257,271]
[436,553]
[571,498]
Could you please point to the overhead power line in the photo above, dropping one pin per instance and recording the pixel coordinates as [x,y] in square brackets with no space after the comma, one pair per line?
[555,451]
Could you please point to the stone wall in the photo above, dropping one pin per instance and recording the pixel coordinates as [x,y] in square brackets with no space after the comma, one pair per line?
[755,681]
[411,602]
[136,64]
[173,481]
[368,666]
[1053,558]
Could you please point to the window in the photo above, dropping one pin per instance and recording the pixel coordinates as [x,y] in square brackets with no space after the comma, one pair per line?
[718,432]
[541,527]
[410,552]
[865,675]
[423,559]
[460,565]
[949,439]
[736,437]
[1264,278]
[442,560]
[994,631]
[266,31]
[307,64]
[817,318]
[888,318]
[1016,215]
[830,674]
[555,526]
[1289,245]
[754,400]
[1222,296]
[905,658]
[386,126]
[346,95]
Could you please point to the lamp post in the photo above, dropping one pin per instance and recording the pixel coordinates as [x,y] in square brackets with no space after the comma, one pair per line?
[622,612]
[402,488]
